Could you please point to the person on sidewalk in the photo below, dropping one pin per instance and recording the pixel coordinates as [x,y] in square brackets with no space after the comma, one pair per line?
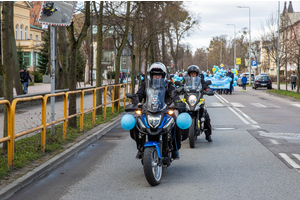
[244,82]
[231,75]
[294,78]
[24,80]
[29,78]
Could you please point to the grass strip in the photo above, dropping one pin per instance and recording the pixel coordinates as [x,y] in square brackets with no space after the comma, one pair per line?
[29,149]
[285,93]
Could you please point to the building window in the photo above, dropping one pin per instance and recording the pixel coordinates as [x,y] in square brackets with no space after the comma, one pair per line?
[21,32]
[17,27]
[31,36]
[36,37]
[26,58]
[26,33]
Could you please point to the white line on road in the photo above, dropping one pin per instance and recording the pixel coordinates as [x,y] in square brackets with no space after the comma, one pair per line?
[259,105]
[243,119]
[274,105]
[217,104]
[289,160]
[246,116]
[273,141]
[239,105]
[297,156]
[222,99]
[297,105]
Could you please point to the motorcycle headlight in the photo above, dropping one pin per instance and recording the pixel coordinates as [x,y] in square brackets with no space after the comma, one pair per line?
[192,100]
[154,121]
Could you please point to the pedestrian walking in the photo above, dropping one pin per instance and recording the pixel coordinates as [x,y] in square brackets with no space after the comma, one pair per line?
[231,75]
[244,82]
[294,78]
[24,80]
[29,78]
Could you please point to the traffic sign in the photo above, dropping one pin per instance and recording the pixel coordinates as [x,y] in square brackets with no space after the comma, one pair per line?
[238,61]
[253,63]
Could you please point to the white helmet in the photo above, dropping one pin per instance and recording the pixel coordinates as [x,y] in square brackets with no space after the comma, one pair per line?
[157,68]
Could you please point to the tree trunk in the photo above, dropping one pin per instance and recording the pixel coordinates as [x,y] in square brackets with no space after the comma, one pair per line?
[74,46]
[119,52]
[63,56]
[99,57]
[9,50]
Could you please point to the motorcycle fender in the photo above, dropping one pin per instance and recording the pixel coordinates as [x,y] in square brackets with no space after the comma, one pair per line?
[152,144]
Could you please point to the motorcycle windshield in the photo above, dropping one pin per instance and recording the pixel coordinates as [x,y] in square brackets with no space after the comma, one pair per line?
[156,95]
[193,83]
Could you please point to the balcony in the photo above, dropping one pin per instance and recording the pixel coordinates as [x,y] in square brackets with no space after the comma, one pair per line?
[29,44]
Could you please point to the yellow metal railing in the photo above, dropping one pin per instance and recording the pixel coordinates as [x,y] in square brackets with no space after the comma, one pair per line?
[11,108]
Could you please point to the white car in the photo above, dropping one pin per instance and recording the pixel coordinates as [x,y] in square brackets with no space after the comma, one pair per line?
[239,80]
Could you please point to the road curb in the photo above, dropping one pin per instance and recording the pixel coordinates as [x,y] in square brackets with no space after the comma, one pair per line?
[44,168]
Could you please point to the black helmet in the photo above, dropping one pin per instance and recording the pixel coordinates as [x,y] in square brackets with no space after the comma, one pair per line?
[157,68]
[193,68]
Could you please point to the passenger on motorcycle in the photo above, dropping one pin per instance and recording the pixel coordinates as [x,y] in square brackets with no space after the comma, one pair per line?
[158,71]
[194,71]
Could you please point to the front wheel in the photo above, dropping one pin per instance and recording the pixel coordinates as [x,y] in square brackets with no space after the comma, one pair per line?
[152,169]
[192,137]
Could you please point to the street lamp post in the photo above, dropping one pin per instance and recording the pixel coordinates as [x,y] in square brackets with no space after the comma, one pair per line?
[234,46]
[249,42]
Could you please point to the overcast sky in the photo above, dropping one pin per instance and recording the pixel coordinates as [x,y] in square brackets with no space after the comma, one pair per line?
[216,14]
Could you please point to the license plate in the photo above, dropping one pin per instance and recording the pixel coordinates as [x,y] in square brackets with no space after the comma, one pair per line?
[263,84]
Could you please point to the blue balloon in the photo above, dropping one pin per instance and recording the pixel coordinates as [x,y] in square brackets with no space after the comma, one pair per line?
[230,79]
[142,78]
[209,75]
[184,121]
[128,122]
[125,81]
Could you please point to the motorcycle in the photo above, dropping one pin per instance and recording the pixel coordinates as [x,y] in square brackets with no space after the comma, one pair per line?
[155,123]
[195,105]
[49,9]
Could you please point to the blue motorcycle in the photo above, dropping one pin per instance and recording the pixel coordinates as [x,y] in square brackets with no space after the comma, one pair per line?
[155,123]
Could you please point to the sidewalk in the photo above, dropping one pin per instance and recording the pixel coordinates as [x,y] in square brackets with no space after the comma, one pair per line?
[30,117]
[282,87]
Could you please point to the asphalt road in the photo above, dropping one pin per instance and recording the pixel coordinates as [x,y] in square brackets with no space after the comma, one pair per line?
[254,135]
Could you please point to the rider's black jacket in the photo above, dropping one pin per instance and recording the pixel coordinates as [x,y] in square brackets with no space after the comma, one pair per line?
[141,93]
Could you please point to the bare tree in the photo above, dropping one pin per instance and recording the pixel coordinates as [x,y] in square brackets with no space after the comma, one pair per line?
[270,41]
[9,60]
[74,47]
[99,55]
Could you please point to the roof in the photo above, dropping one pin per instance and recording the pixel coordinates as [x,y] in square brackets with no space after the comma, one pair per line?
[31,26]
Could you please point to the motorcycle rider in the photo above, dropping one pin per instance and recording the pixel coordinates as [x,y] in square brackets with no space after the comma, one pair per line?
[194,71]
[158,71]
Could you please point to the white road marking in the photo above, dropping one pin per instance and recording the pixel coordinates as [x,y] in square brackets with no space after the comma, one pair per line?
[239,105]
[275,106]
[289,160]
[295,104]
[243,119]
[217,104]
[256,126]
[297,156]
[259,105]
[273,141]
[222,99]
[246,116]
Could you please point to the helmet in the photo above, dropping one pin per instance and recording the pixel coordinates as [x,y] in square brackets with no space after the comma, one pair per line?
[157,68]
[193,68]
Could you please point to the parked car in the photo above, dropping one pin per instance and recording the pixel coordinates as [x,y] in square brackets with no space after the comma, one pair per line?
[266,74]
[239,80]
[262,81]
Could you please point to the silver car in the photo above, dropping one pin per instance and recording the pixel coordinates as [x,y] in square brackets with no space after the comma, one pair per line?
[239,80]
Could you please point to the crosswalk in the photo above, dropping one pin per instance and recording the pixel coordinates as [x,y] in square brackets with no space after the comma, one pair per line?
[240,105]
[292,160]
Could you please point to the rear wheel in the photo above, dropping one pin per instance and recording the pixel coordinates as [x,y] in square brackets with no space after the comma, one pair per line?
[192,137]
[152,169]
